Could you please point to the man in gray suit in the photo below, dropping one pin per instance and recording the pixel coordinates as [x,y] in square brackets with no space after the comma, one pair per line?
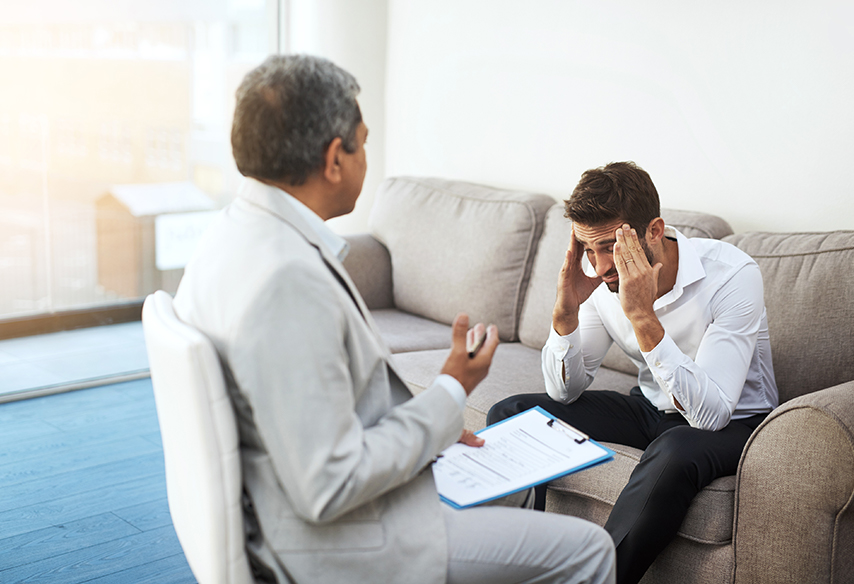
[335,450]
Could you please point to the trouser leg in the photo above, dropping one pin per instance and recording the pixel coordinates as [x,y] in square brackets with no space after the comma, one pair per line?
[609,416]
[500,545]
[673,469]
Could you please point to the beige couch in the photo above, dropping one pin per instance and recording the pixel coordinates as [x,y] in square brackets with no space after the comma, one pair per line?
[438,247]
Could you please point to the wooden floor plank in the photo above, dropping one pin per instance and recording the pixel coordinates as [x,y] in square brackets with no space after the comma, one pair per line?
[98,560]
[59,442]
[171,570]
[138,391]
[61,511]
[154,438]
[73,420]
[72,459]
[83,491]
[81,481]
[20,431]
[28,548]
[146,516]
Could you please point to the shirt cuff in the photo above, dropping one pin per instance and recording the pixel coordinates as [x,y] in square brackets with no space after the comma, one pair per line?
[563,346]
[663,361]
[454,389]
[664,358]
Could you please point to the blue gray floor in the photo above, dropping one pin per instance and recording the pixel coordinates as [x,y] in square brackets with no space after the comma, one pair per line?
[83,490]
[43,364]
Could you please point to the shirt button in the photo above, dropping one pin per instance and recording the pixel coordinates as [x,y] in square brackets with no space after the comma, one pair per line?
[658,363]
[571,346]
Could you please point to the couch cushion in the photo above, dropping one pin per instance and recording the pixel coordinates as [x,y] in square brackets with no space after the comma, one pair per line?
[515,369]
[809,296]
[591,493]
[537,313]
[404,332]
[458,247]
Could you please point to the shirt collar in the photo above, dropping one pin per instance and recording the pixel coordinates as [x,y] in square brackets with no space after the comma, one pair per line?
[339,246]
[689,270]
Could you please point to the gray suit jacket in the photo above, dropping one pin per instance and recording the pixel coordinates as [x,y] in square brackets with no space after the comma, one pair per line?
[335,449]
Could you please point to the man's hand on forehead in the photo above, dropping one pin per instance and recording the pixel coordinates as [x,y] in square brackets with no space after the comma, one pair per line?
[638,279]
[573,288]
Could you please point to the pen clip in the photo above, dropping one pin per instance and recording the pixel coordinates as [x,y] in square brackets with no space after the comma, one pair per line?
[583,437]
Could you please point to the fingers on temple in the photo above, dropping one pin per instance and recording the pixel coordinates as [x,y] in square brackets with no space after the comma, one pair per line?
[630,250]
[621,253]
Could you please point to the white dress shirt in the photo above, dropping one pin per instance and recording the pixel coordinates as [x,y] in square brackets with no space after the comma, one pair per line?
[340,247]
[715,356]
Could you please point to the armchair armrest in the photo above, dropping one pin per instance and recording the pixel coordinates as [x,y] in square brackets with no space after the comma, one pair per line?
[369,265]
[794,520]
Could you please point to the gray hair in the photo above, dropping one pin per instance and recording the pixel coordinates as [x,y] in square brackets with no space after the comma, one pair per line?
[288,110]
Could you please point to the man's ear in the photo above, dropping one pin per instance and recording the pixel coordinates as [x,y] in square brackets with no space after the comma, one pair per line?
[332,161]
[655,231]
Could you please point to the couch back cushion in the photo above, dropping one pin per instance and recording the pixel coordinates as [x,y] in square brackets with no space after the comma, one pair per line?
[695,224]
[809,296]
[540,300]
[459,247]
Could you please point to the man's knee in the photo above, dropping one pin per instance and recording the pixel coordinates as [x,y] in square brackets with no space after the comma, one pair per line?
[677,457]
[675,446]
[509,407]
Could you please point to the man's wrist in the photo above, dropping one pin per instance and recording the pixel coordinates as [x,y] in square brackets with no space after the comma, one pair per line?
[564,324]
[648,331]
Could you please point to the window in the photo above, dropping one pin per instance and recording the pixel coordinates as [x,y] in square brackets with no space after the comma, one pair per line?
[115,117]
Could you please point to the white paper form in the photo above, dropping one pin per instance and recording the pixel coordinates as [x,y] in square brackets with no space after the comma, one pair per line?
[520,452]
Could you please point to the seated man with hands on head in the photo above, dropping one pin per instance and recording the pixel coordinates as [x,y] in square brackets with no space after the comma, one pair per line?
[690,314]
[336,452]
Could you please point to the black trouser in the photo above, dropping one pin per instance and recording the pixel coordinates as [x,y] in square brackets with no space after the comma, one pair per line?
[678,461]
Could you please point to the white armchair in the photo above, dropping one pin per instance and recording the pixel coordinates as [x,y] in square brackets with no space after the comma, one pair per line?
[200,445]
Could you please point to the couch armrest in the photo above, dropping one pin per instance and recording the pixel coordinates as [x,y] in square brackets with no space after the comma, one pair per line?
[369,265]
[794,520]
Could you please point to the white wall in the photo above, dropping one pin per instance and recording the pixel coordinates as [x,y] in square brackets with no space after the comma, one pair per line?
[741,109]
[352,33]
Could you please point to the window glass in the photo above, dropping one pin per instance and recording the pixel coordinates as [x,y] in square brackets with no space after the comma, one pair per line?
[114,142]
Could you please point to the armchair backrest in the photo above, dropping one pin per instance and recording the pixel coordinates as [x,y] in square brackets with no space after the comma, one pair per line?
[200,445]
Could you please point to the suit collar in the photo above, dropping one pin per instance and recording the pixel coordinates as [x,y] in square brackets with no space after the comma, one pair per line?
[300,217]
[280,204]
[283,206]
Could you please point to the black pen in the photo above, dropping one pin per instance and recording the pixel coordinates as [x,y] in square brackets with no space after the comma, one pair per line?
[477,346]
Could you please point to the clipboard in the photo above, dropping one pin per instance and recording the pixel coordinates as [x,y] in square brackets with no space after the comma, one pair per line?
[521,452]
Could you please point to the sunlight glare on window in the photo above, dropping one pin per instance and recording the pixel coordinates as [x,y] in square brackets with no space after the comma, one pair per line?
[113,114]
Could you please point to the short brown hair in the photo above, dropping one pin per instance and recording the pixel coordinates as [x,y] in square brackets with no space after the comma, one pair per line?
[616,191]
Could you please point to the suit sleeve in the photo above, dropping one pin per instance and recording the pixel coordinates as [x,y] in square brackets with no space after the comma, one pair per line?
[292,358]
